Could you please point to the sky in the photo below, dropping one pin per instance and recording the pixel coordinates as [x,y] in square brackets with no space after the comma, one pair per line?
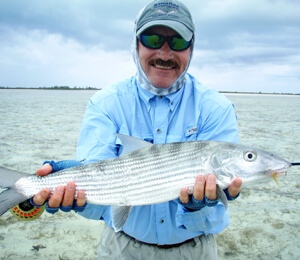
[241,45]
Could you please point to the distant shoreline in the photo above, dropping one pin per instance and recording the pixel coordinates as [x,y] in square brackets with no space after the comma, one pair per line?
[92,88]
[258,93]
[56,88]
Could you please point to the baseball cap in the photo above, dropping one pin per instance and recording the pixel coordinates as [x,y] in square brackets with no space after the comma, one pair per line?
[170,13]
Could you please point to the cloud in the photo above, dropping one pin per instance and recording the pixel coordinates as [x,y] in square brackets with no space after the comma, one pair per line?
[240,45]
[89,22]
[248,45]
[41,59]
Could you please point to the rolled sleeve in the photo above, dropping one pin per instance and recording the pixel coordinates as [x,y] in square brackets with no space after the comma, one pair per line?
[207,220]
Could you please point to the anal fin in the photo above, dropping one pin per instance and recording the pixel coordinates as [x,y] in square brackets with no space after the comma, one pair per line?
[119,216]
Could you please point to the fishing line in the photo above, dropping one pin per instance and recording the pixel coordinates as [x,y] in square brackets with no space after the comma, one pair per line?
[295,163]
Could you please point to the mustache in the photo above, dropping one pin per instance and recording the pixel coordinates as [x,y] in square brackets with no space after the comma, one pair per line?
[167,63]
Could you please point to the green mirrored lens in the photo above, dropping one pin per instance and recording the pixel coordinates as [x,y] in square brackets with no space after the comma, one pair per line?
[152,41]
[156,41]
[179,44]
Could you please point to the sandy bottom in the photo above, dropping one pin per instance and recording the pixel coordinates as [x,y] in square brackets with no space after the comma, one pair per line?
[262,228]
[60,236]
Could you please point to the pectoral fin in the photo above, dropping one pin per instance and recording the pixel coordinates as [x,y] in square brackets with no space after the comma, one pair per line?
[222,197]
[119,216]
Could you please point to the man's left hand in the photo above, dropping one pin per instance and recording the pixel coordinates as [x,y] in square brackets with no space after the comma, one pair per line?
[207,186]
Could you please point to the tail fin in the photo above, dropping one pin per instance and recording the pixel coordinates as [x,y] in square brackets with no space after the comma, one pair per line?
[9,197]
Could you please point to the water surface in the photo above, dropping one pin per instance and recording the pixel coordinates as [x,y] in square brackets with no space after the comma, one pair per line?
[38,125]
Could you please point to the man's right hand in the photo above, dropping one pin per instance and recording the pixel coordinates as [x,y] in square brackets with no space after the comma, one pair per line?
[61,196]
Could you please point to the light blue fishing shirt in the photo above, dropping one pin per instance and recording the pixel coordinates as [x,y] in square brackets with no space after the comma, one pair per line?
[194,112]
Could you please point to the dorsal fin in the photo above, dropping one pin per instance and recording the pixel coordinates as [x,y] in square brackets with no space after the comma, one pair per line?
[131,144]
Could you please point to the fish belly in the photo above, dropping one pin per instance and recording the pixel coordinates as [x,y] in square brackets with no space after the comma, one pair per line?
[147,176]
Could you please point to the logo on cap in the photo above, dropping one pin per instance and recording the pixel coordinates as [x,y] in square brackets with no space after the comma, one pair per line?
[164,9]
[166,4]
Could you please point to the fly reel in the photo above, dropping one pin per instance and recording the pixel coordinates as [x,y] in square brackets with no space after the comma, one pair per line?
[25,211]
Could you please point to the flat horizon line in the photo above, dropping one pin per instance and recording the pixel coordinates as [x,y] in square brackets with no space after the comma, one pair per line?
[94,88]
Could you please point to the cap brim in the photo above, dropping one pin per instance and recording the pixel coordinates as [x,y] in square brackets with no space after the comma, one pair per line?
[184,32]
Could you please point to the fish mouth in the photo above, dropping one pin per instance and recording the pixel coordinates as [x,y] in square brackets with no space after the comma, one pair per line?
[282,169]
[279,173]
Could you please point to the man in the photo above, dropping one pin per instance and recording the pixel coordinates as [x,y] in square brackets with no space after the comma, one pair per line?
[160,104]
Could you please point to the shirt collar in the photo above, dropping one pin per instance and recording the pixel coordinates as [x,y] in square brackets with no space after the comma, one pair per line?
[146,96]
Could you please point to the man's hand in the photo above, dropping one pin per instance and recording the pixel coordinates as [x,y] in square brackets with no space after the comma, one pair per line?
[235,187]
[62,195]
[207,186]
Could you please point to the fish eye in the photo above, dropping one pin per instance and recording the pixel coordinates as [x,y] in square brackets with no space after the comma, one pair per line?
[249,156]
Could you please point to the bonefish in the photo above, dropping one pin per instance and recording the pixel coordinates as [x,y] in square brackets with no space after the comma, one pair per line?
[148,173]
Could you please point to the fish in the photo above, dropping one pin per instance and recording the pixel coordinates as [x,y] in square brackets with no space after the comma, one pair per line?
[147,173]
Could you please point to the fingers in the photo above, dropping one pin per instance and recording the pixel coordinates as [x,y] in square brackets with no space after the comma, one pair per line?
[41,197]
[203,186]
[207,187]
[61,196]
[68,198]
[44,170]
[184,196]
[211,187]
[57,197]
[199,188]
[81,200]
[65,196]
[235,187]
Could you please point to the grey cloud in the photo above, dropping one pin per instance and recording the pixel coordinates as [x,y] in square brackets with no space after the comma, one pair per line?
[106,22]
[230,34]
[89,22]
[217,21]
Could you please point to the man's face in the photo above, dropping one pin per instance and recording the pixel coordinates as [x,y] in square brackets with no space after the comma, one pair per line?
[163,66]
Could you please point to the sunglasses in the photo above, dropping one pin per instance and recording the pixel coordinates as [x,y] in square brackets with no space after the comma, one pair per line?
[156,41]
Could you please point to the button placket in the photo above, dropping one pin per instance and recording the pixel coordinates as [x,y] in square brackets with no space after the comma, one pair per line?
[160,123]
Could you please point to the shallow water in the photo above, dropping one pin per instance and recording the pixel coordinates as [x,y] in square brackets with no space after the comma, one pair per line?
[38,125]
[265,221]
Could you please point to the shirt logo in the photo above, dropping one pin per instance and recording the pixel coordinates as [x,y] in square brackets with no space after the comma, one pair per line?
[191,131]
